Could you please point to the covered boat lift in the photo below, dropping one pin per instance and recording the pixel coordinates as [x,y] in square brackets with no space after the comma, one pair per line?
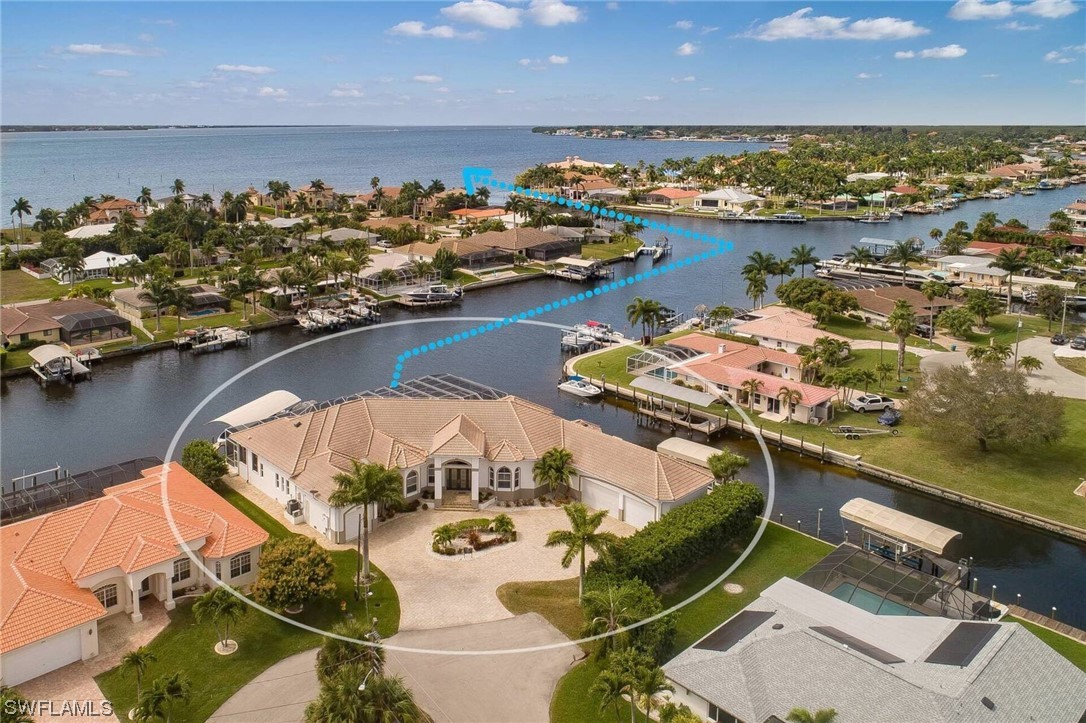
[54,363]
[897,526]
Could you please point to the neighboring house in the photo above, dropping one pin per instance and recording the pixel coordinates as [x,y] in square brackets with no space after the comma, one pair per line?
[991,249]
[371,201]
[394,222]
[471,253]
[670,197]
[970,270]
[185,199]
[98,265]
[452,448]
[75,322]
[589,186]
[91,230]
[204,298]
[64,571]
[782,328]
[1077,213]
[721,368]
[796,646]
[316,199]
[1018,171]
[573,162]
[340,236]
[536,244]
[877,304]
[476,215]
[111,211]
[727,199]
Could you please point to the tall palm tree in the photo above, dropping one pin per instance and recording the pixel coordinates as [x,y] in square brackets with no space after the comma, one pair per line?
[756,287]
[751,387]
[336,265]
[583,534]
[363,486]
[609,687]
[47,219]
[335,652]
[932,290]
[125,229]
[644,312]
[1012,261]
[902,322]
[904,253]
[21,208]
[760,262]
[165,692]
[650,682]
[789,396]
[181,300]
[607,611]
[554,468]
[136,662]
[860,256]
[158,290]
[145,199]
[803,256]
[178,187]
[222,609]
[935,234]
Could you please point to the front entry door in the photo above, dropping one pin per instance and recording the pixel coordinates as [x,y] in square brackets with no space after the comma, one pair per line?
[458,478]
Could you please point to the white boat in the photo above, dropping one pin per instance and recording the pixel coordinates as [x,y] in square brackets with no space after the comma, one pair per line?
[434,293]
[598,330]
[578,386]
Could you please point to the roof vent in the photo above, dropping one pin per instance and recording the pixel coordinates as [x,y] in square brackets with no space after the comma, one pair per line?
[297,423]
[988,703]
[778,626]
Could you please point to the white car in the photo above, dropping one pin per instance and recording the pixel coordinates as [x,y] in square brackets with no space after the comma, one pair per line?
[871,403]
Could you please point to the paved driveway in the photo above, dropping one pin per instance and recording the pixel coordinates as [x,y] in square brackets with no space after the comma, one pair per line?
[439,592]
[1050,378]
[509,688]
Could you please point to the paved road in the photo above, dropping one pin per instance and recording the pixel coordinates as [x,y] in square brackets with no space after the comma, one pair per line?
[1050,378]
[508,688]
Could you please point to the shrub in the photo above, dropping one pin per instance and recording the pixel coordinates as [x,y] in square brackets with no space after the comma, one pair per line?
[661,549]
[797,293]
[735,337]
[293,570]
[204,461]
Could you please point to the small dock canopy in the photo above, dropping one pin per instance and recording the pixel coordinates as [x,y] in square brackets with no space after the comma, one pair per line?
[898,525]
[674,391]
[687,450]
[47,355]
[578,263]
[260,408]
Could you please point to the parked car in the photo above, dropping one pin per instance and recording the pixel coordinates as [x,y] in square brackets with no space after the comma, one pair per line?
[890,417]
[871,403]
[1059,339]
[1079,342]
[924,331]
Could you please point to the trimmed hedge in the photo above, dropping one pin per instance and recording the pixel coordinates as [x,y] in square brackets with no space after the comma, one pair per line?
[660,550]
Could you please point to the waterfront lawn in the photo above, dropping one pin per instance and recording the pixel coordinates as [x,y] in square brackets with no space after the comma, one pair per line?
[464,278]
[1003,328]
[1065,646]
[169,323]
[780,553]
[610,363]
[1075,364]
[608,251]
[856,329]
[187,646]
[16,285]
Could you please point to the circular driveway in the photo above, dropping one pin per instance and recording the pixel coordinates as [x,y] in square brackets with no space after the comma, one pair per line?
[439,592]
[1051,377]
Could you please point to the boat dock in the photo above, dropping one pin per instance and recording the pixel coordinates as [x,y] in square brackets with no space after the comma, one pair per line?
[205,341]
[580,270]
[424,304]
[54,363]
[578,342]
[777,218]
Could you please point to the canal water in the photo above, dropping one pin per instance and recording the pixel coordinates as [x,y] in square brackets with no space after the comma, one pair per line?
[134,405]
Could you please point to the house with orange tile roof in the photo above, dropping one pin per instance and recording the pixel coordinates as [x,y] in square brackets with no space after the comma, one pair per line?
[451,451]
[63,572]
[782,328]
[671,197]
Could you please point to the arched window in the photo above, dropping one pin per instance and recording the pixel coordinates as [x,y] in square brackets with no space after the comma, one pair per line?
[412,484]
[505,478]
[516,478]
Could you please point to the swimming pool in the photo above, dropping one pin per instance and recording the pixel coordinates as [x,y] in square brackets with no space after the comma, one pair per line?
[869,601]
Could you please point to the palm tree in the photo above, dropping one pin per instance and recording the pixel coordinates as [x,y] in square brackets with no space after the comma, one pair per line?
[158,290]
[335,652]
[1030,364]
[16,708]
[860,256]
[125,229]
[607,611]
[181,300]
[932,290]
[644,312]
[935,234]
[159,700]
[223,610]
[137,661]
[751,387]
[789,397]
[336,265]
[761,263]
[178,187]
[21,208]
[583,534]
[803,256]
[357,694]
[1012,261]
[802,715]
[756,287]
[363,486]
[71,265]
[610,686]
[554,468]
[902,322]
[145,199]
[47,219]
[883,370]
[904,253]
[650,682]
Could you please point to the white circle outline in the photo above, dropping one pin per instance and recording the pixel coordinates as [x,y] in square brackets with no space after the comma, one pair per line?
[164,482]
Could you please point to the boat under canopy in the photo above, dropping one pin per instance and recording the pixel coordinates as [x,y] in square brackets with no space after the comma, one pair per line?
[673,391]
[46,354]
[898,525]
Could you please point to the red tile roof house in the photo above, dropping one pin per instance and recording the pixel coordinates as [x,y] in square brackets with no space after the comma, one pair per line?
[62,572]
[725,365]
[671,197]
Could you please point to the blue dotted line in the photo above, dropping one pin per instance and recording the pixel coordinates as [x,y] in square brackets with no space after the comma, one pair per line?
[719,247]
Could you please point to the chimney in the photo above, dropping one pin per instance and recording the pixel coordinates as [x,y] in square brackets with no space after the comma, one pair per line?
[719,348]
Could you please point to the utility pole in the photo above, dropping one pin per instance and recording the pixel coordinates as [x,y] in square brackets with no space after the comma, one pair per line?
[1017,333]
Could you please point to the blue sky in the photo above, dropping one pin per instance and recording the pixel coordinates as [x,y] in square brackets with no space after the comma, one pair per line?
[544,62]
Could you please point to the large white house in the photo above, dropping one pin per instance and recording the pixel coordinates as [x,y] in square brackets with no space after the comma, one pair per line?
[98,265]
[64,571]
[451,451]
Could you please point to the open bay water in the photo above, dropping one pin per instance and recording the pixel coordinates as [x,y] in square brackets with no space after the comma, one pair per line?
[133,405]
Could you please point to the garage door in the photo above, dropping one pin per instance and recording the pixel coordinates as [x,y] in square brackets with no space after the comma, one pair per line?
[42,657]
[599,497]
[638,512]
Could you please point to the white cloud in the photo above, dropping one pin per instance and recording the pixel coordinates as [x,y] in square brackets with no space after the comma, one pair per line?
[684,79]
[113,73]
[442,89]
[525,62]
[706,29]
[683,24]
[650,98]
[505,91]
[981,10]
[1051,9]
[687,49]
[558,59]
[247,69]
[1015,25]
[269,92]
[427,78]
[163,21]
[195,84]
[484,12]
[553,12]
[946,52]
[99,49]
[417,29]
[1063,55]
[1076,81]
[145,37]
[990,75]
[801,24]
[704,90]
[868,76]
[346,90]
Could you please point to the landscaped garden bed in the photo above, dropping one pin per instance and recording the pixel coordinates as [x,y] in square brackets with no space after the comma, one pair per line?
[473,535]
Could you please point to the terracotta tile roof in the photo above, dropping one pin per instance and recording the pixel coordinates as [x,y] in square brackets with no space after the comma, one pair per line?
[674,193]
[786,326]
[994,246]
[734,377]
[881,300]
[515,239]
[736,353]
[404,432]
[375,224]
[460,247]
[117,204]
[127,529]
[32,318]
[478,212]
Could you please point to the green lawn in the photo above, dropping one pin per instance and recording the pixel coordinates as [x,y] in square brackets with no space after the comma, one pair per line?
[1003,329]
[464,278]
[169,323]
[16,285]
[856,329]
[1075,364]
[1065,646]
[607,251]
[25,235]
[780,553]
[187,646]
